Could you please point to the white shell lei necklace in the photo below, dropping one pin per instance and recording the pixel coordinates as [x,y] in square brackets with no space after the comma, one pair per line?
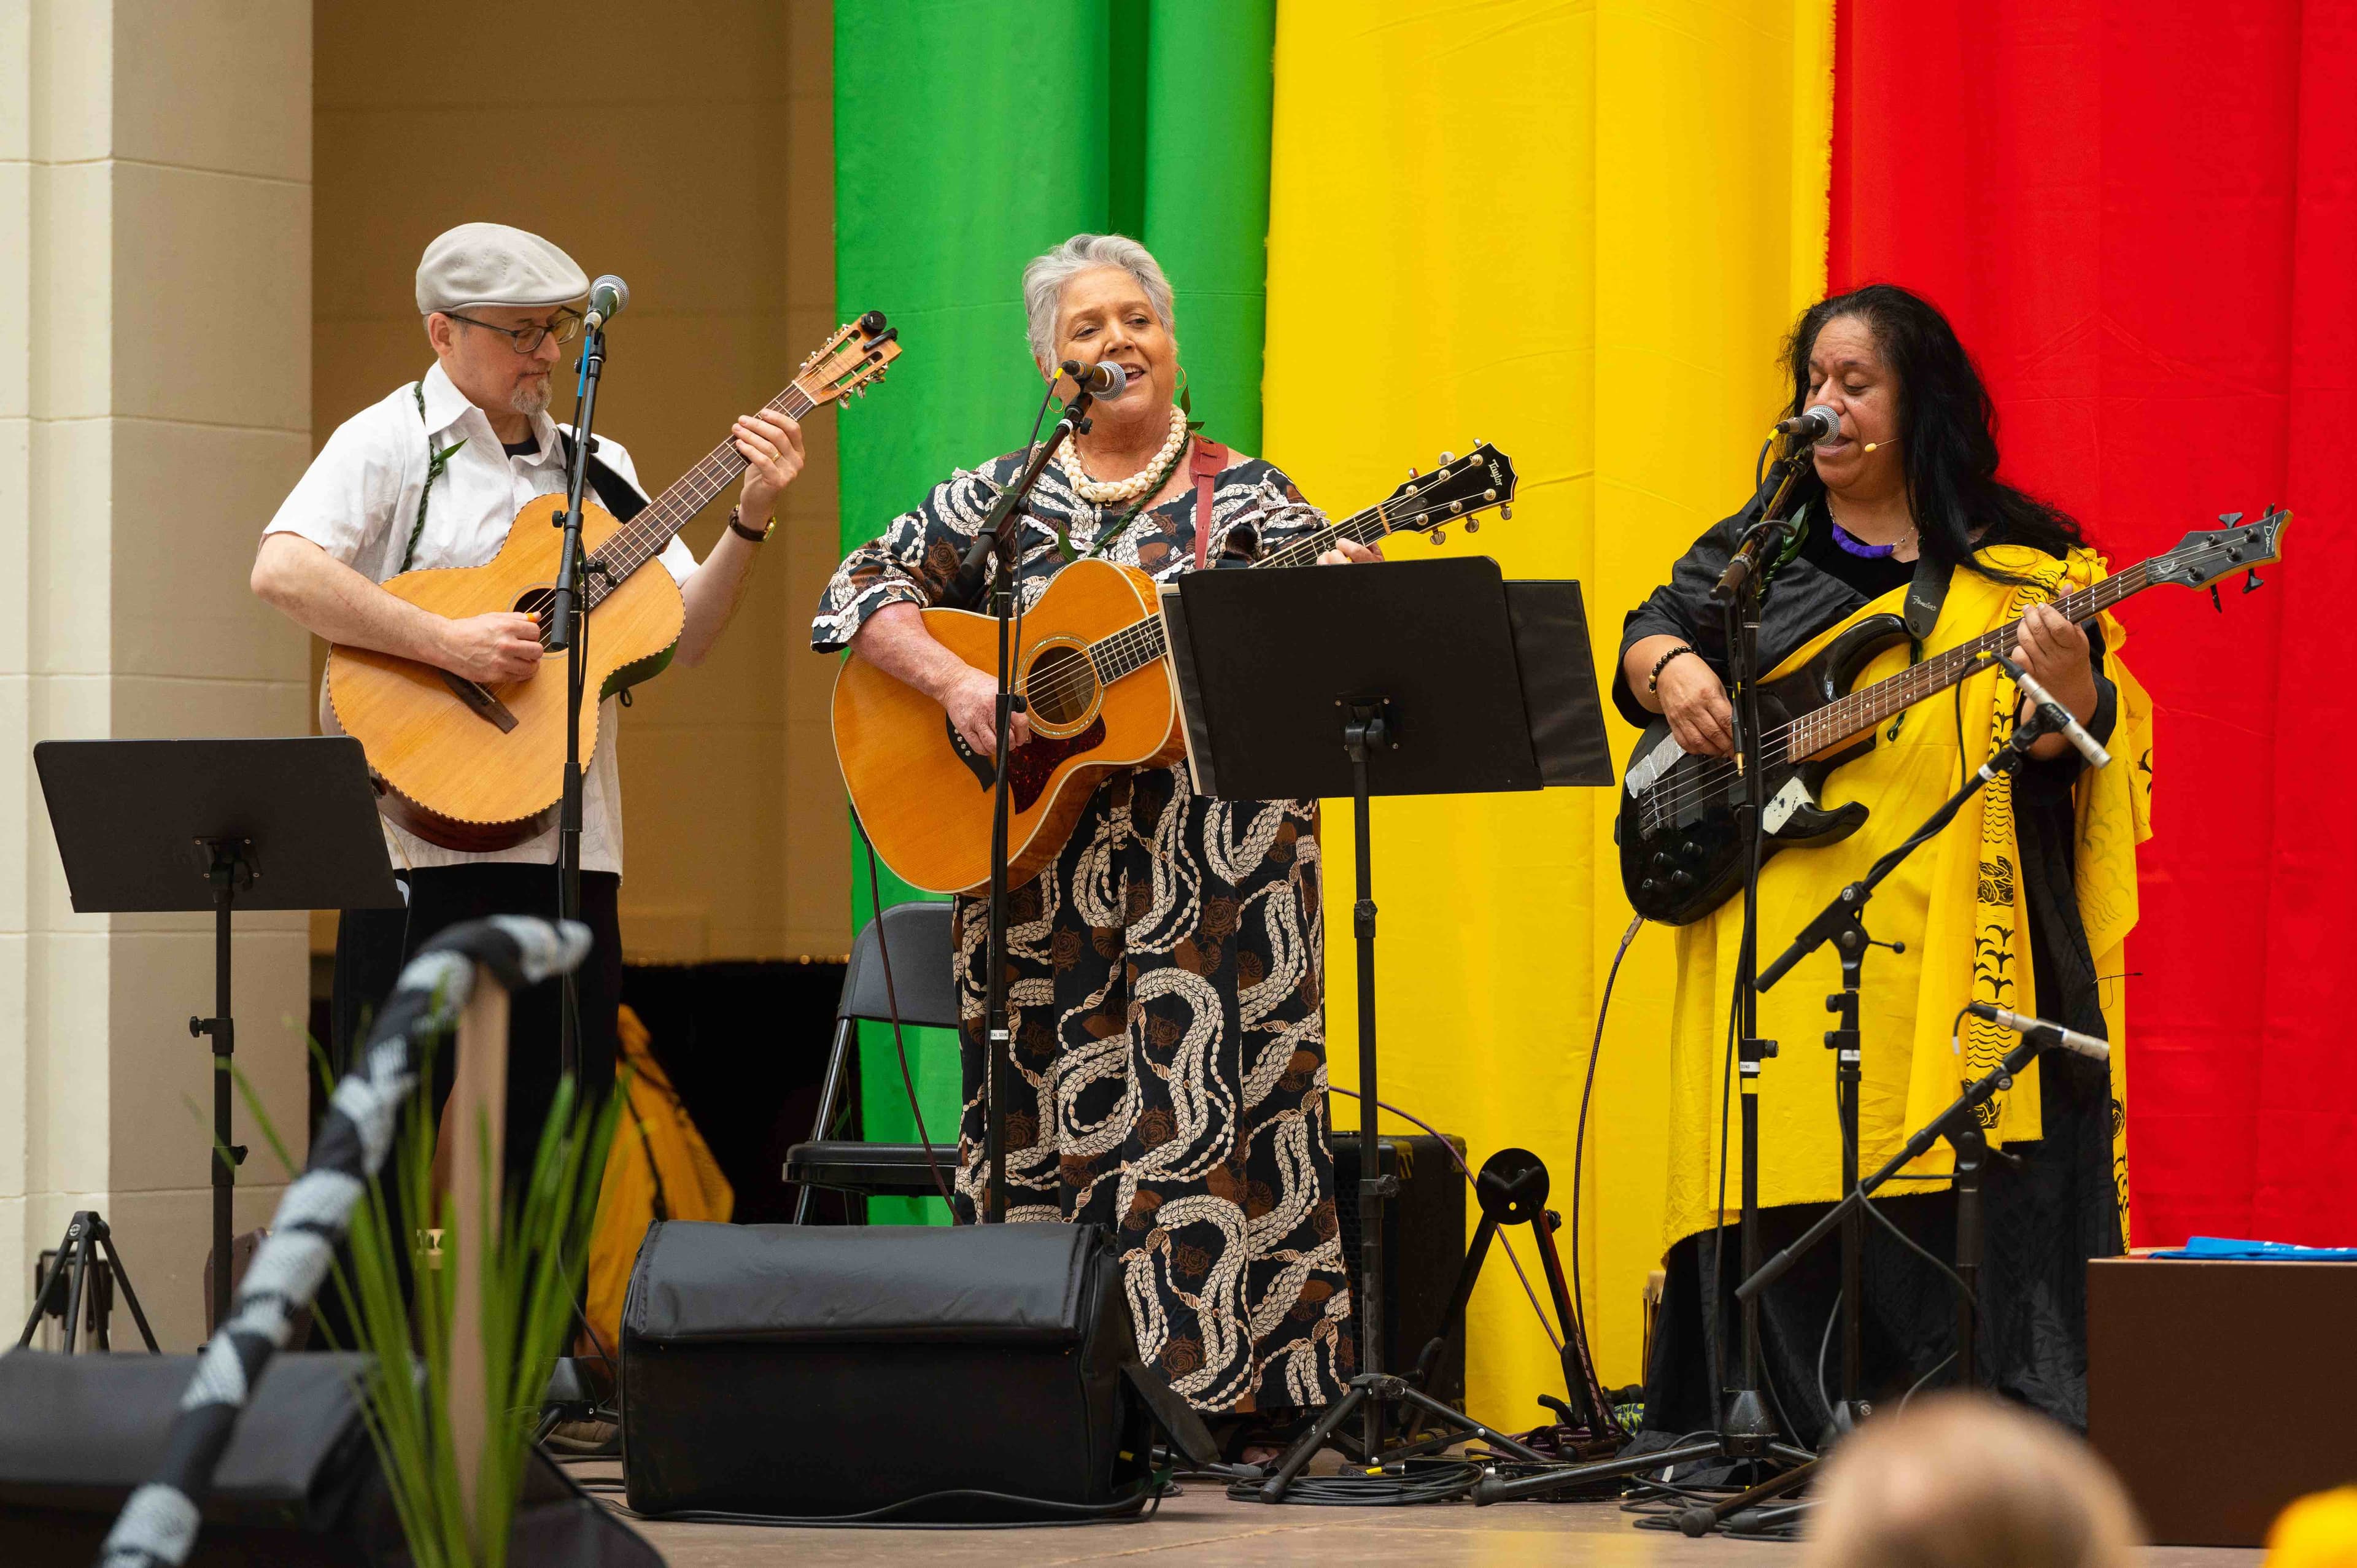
[1098,492]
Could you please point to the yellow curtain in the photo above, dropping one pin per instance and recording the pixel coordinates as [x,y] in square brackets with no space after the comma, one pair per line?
[1578,231]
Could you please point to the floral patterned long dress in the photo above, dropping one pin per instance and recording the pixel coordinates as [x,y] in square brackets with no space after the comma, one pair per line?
[1166,983]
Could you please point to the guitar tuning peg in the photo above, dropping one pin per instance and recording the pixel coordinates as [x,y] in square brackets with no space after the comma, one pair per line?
[2215,603]
[1446,458]
[1472,525]
[2253,582]
[1440,536]
[1506,513]
[2229,518]
[1411,470]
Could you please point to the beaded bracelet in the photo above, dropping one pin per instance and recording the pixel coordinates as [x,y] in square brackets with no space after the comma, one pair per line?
[1654,682]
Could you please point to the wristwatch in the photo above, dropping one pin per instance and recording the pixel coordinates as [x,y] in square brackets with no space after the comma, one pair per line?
[737,527]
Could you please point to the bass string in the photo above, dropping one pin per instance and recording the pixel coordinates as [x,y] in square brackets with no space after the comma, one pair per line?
[1862,710]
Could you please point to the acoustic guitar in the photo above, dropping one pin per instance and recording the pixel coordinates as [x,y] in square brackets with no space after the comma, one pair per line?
[479,768]
[1683,843]
[1091,671]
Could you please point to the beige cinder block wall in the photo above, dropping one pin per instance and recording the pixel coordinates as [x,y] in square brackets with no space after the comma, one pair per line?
[710,189]
[155,401]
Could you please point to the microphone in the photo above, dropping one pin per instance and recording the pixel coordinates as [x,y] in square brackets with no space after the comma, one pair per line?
[1817,423]
[2056,713]
[607,297]
[2053,1034]
[1104,378]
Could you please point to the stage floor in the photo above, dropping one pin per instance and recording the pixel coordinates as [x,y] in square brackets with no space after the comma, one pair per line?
[1251,1535]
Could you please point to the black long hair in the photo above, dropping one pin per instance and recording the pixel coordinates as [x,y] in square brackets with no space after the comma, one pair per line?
[1947,431]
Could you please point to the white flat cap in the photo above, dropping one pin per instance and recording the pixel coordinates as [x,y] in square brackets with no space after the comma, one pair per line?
[490,263]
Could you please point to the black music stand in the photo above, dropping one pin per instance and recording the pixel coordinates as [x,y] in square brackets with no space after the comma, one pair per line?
[151,826]
[1414,677]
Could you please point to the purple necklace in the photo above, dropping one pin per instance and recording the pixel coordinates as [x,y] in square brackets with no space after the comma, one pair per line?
[1864,552]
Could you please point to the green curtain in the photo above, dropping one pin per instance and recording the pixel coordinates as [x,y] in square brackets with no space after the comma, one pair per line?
[968,138]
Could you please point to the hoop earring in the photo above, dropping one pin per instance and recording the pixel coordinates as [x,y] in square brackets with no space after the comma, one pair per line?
[1185,406]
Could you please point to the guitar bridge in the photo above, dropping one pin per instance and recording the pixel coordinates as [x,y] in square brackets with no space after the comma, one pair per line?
[479,702]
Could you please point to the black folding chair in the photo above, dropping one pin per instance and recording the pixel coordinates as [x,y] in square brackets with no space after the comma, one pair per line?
[919,936]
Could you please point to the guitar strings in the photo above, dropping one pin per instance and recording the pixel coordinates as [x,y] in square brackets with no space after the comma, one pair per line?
[1716,772]
[1144,637]
[1950,662]
[636,542]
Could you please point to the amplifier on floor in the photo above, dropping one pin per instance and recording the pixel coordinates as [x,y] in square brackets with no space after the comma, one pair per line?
[908,1372]
[1423,1243]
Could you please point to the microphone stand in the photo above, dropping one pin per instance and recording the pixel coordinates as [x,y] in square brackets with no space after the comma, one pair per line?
[569,609]
[1746,1430]
[993,546]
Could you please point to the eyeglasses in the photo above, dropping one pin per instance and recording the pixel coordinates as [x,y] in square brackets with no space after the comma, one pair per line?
[564,327]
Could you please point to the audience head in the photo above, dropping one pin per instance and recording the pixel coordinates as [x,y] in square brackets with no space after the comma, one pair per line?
[1962,1481]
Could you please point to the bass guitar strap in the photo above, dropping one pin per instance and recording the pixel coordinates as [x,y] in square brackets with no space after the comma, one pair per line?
[1925,595]
[1204,468]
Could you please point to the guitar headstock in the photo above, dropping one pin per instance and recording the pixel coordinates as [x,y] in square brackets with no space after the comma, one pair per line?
[2203,558]
[1460,488]
[857,353]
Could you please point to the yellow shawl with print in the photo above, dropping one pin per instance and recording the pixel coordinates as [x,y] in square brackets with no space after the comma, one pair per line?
[1956,904]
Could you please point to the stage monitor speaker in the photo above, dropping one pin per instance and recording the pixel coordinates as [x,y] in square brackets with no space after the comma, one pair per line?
[1423,1243]
[298,1486]
[972,1373]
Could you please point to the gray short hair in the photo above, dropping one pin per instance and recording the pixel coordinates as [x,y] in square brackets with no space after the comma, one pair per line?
[1044,281]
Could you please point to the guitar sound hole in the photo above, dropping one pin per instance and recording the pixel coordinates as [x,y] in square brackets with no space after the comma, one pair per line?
[535,601]
[1062,687]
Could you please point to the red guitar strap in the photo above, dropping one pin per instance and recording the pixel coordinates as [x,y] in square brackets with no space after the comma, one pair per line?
[1209,457]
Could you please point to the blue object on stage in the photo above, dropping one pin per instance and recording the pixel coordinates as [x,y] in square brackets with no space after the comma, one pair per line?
[2214,1248]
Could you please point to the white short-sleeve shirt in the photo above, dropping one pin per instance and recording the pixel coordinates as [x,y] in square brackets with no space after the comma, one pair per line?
[358,501]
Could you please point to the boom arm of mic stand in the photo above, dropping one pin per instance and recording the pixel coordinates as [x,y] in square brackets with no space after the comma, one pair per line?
[1827,924]
[1930,1132]
[997,525]
[1765,513]
[1852,900]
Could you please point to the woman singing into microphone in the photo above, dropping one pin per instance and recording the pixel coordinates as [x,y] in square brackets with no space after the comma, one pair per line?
[2022,900]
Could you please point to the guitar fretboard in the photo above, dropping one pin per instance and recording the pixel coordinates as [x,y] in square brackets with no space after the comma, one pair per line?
[1865,708]
[1139,644]
[643,537]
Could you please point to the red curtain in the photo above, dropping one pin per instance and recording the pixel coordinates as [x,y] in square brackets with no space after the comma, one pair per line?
[2141,216]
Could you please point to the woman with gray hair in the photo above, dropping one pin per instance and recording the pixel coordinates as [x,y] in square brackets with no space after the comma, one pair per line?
[1167,970]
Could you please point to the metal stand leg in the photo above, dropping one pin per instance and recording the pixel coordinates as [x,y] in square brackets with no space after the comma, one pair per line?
[231,871]
[87,1241]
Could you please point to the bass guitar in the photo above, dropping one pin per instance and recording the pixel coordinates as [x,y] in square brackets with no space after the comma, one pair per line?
[1087,646]
[1684,846]
[479,768]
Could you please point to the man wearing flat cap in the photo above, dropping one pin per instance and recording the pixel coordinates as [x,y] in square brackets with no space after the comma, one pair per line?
[433,475]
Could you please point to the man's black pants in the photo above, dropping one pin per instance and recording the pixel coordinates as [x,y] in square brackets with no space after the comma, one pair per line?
[371,946]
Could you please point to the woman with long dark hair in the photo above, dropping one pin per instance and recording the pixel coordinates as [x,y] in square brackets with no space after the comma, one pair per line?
[2023,900]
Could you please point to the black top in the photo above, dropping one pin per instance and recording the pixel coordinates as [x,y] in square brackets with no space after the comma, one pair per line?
[527,447]
[1869,576]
